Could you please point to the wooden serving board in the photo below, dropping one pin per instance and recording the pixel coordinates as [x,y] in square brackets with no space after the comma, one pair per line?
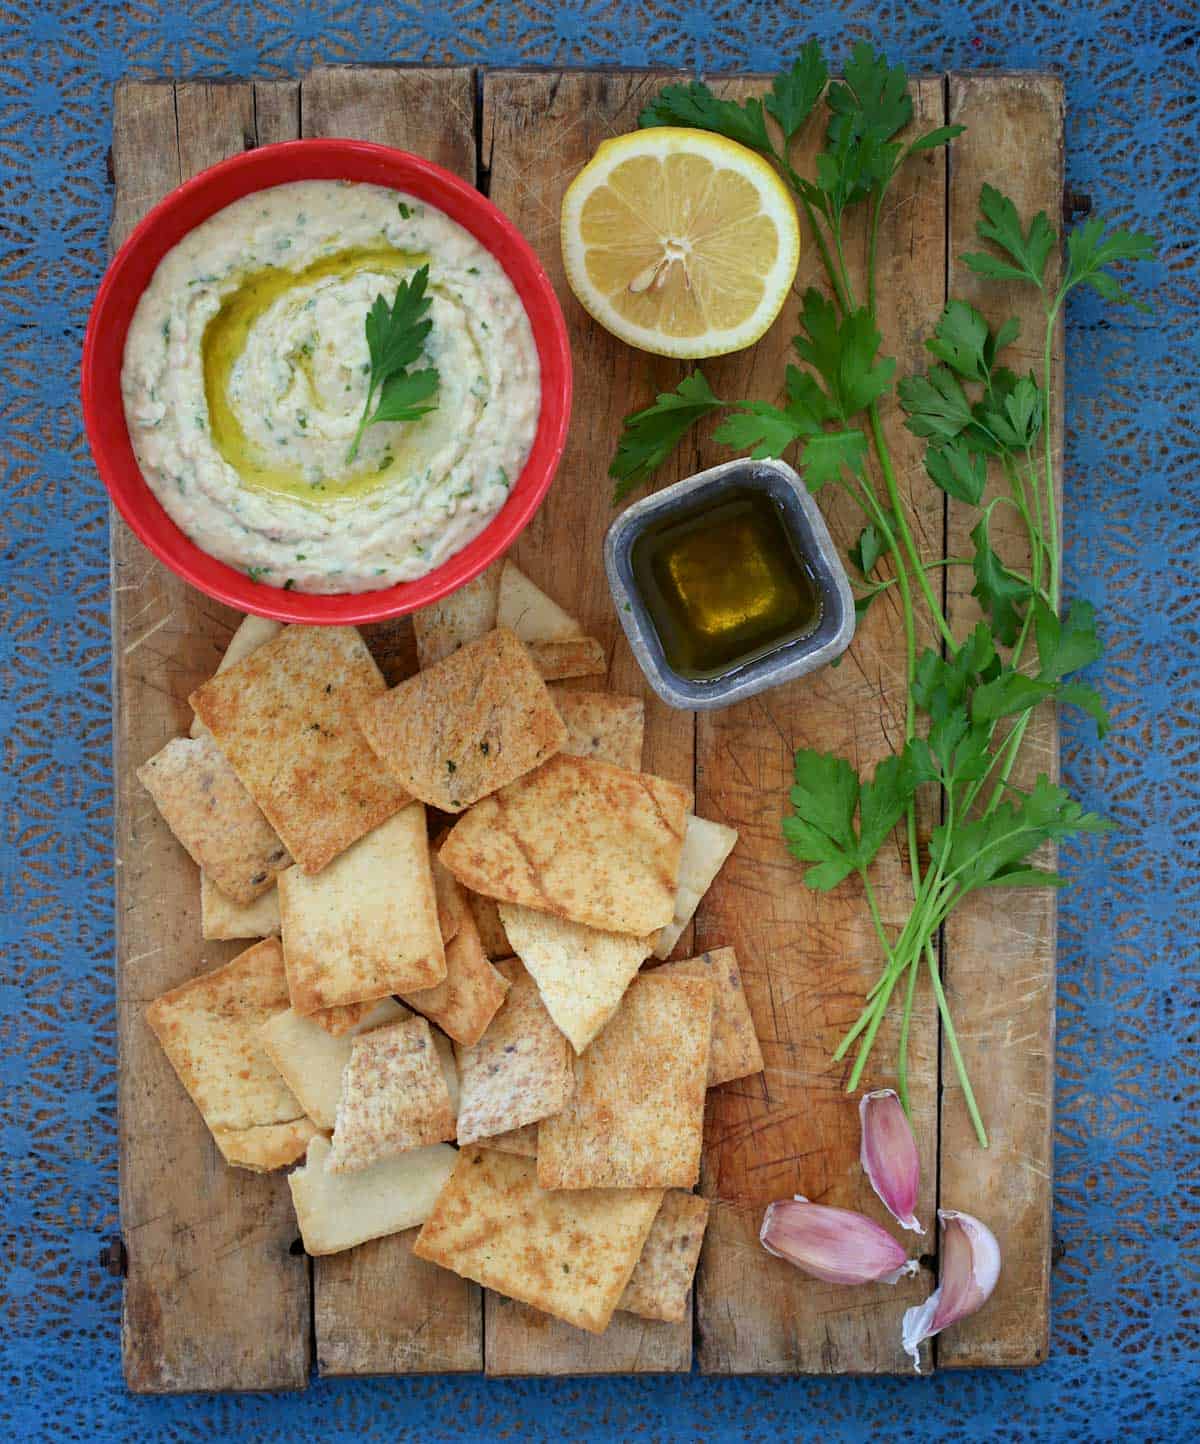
[219,1294]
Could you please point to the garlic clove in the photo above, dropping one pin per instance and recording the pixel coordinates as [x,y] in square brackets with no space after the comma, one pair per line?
[968,1269]
[833,1244]
[889,1155]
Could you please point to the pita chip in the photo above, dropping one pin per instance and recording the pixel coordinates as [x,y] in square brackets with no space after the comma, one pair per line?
[519,1071]
[367,925]
[221,919]
[336,1211]
[581,972]
[465,1001]
[466,726]
[733,1051]
[636,1118]
[284,717]
[451,902]
[662,1279]
[579,839]
[311,1061]
[526,610]
[574,657]
[706,845]
[251,633]
[602,725]
[209,1030]
[459,618]
[521,1141]
[569,1255]
[341,1020]
[486,913]
[394,1097]
[214,817]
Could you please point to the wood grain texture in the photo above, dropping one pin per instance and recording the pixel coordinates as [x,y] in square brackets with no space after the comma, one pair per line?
[807,958]
[1000,949]
[539,129]
[378,1309]
[213,1298]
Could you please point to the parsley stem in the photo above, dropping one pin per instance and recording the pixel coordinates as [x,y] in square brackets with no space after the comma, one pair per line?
[960,1067]
[905,1024]
[1047,429]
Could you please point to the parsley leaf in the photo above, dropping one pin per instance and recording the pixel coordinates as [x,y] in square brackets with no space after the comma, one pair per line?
[1065,644]
[961,341]
[1017,421]
[1089,250]
[936,403]
[795,92]
[843,355]
[695,105]
[651,435]
[826,456]
[1028,251]
[770,430]
[395,338]
[873,98]
[999,591]
[960,472]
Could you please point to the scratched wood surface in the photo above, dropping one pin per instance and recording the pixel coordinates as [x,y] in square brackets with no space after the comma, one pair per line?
[215,1297]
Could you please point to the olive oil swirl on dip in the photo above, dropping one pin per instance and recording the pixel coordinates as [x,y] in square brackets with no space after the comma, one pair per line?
[246,370]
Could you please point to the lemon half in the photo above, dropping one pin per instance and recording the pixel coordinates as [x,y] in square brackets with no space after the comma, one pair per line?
[680,242]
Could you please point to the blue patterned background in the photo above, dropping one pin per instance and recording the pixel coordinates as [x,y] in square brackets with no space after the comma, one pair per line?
[1126,1362]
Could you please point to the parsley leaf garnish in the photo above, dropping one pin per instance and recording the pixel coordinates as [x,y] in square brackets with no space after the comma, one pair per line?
[395,338]
[650,436]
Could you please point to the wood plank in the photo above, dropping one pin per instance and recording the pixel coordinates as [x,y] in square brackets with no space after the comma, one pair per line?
[538,130]
[378,1309]
[1000,950]
[213,1297]
[807,958]
[276,110]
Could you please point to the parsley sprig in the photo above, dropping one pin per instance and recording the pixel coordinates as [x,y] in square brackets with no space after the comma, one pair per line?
[969,701]
[395,339]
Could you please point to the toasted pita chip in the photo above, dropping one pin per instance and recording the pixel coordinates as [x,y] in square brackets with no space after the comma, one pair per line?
[337,1022]
[521,1141]
[519,1071]
[221,919]
[336,1211]
[445,1051]
[486,913]
[284,716]
[451,901]
[733,1051]
[367,926]
[214,817]
[466,726]
[706,845]
[636,1118]
[459,618]
[579,657]
[465,1001]
[311,1060]
[580,839]
[209,1030]
[394,1097]
[603,726]
[581,972]
[526,610]
[660,1284]
[569,1255]
[250,634]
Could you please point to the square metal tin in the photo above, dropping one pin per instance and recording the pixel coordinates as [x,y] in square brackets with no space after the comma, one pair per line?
[784,663]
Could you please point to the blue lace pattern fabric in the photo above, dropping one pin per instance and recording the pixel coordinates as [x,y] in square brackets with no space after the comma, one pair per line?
[1125,1363]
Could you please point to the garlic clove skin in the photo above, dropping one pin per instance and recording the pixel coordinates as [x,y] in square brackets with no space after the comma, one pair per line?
[833,1244]
[969,1268]
[889,1157]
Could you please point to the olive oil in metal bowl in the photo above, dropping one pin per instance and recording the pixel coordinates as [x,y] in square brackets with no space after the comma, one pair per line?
[728,583]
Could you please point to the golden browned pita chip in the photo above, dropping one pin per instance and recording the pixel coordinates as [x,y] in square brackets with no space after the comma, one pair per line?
[603,726]
[209,1030]
[519,1071]
[636,1118]
[311,1061]
[578,657]
[569,1254]
[466,726]
[451,901]
[465,1001]
[659,1285]
[336,1211]
[733,1051]
[487,921]
[394,1097]
[706,845]
[284,716]
[221,919]
[457,619]
[580,839]
[251,633]
[214,817]
[581,972]
[526,610]
[522,1141]
[339,1021]
[367,926]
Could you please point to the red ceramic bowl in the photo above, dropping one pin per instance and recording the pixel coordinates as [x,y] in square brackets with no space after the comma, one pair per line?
[201,197]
